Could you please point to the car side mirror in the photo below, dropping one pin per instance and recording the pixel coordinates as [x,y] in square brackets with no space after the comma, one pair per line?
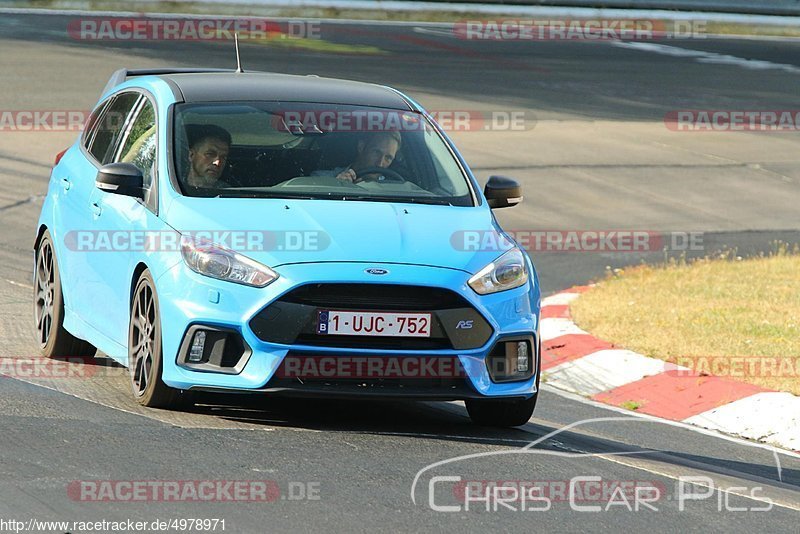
[502,192]
[121,179]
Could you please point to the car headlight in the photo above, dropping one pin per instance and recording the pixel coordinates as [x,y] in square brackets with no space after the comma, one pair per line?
[506,272]
[218,262]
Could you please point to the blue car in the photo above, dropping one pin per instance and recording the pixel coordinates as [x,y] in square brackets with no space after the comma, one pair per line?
[285,235]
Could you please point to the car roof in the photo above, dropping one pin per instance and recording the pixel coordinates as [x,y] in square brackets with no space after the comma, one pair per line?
[243,86]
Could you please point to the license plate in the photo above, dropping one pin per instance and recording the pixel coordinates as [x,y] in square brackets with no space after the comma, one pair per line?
[357,323]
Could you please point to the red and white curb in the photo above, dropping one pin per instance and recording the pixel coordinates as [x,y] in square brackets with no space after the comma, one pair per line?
[575,361]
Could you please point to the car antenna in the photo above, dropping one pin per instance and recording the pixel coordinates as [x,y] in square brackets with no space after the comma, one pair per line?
[238,59]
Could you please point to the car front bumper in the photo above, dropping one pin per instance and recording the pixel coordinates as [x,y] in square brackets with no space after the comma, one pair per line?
[189,300]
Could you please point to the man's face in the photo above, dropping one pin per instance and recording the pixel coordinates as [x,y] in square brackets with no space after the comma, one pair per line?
[377,152]
[208,160]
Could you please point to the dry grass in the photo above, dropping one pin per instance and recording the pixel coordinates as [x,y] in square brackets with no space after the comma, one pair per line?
[724,312]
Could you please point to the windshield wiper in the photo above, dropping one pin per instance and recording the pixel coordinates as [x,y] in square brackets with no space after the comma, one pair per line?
[261,194]
[412,200]
[239,193]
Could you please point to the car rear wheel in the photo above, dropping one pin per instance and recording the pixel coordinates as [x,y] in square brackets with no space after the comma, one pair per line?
[501,412]
[144,349]
[48,307]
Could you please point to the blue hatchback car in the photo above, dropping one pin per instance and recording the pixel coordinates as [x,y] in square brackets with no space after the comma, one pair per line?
[293,235]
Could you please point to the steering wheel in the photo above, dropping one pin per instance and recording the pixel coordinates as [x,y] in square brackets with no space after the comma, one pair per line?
[389,174]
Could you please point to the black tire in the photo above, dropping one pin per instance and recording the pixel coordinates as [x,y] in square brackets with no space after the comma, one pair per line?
[144,349]
[48,307]
[490,412]
[501,412]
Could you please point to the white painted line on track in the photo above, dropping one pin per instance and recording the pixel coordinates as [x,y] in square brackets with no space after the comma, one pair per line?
[13,283]
[621,460]
[614,457]
[436,436]
[707,57]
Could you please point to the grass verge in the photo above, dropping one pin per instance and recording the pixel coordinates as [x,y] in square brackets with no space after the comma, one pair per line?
[724,316]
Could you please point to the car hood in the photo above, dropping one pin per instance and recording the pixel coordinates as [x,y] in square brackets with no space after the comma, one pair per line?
[277,232]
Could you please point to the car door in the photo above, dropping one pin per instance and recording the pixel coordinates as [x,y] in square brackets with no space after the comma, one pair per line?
[75,183]
[70,187]
[125,220]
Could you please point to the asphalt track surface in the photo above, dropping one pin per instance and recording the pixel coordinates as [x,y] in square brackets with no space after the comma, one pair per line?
[598,157]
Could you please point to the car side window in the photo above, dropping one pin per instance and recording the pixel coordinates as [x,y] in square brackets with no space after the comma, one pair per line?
[139,145]
[111,126]
[93,123]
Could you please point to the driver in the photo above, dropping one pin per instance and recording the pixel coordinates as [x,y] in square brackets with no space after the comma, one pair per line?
[375,150]
[209,146]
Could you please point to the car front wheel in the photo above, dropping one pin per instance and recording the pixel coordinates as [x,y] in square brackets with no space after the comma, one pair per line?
[144,348]
[501,413]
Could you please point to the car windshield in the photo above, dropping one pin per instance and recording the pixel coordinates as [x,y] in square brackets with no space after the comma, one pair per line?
[319,151]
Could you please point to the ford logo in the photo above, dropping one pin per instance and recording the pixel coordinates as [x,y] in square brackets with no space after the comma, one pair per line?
[376,271]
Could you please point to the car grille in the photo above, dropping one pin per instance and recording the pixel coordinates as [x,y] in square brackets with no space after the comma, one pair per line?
[292,319]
